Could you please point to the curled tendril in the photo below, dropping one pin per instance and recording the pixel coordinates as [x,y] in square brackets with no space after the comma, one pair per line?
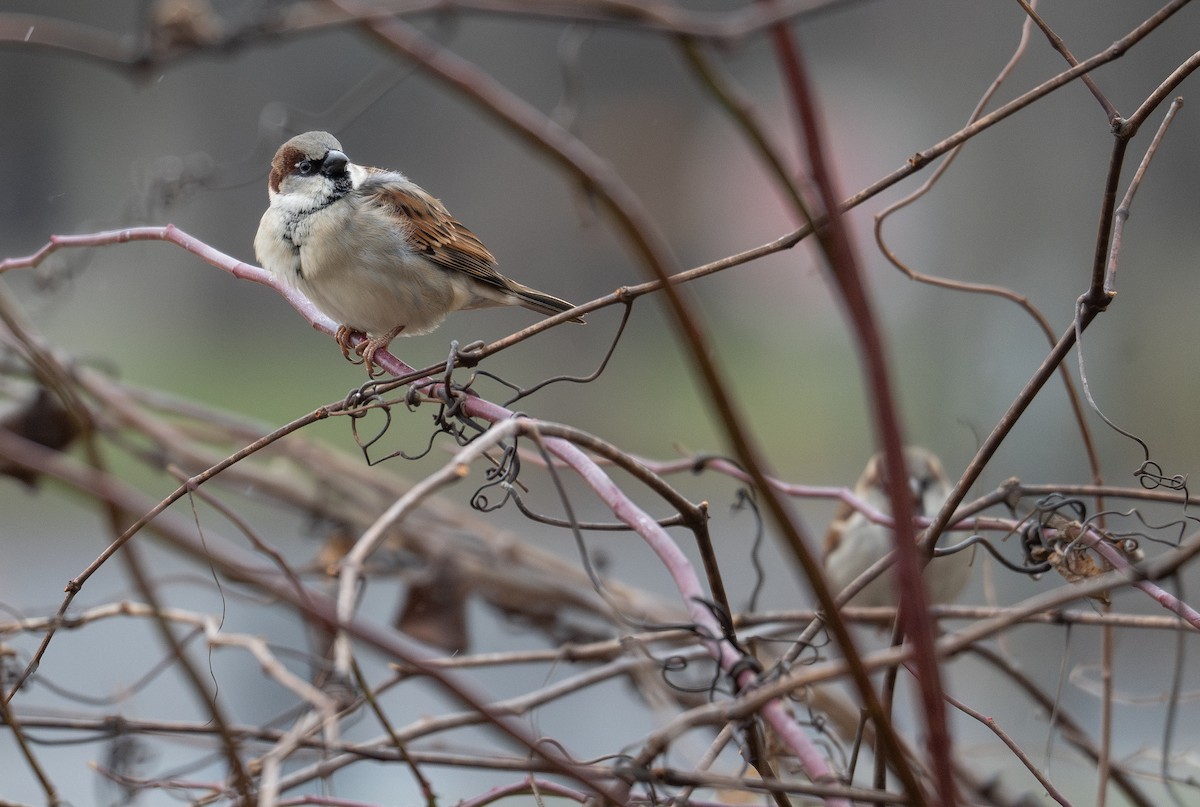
[359,398]
[412,398]
[724,619]
[1048,506]
[811,647]
[423,453]
[745,500]
[701,462]
[468,355]
[1033,544]
[359,404]
[746,662]
[448,382]
[522,392]
[1035,541]
[1127,541]
[502,475]
[1150,476]
[675,664]
[451,415]
[591,526]
[1056,539]
[978,540]
[448,419]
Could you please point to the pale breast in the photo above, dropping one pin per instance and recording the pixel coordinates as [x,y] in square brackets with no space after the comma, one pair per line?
[271,248]
[358,269]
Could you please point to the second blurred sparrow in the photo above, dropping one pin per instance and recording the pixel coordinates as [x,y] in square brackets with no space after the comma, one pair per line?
[854,542]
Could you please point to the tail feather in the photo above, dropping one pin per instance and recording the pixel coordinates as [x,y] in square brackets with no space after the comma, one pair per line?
[547,304]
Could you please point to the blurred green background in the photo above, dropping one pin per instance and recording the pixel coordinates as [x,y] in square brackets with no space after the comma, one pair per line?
[90,147]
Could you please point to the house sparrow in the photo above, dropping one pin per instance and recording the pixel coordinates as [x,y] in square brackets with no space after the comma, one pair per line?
[854,542]
[373,250]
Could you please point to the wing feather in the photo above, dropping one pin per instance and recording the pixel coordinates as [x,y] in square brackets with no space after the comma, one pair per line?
[432,231]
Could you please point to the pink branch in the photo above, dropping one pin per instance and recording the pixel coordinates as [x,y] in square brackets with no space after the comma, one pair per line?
[686,582]
[227,263]
[1093,539]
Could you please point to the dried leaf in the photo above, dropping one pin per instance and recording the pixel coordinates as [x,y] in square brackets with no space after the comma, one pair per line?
[44,420]
[435,610]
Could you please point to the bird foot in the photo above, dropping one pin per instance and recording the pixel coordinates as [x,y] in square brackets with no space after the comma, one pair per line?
[367,348]
[342,337]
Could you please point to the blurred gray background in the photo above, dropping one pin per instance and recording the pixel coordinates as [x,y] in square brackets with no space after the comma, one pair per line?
[89,147]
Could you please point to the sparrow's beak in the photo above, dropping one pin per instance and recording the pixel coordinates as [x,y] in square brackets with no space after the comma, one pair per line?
[917,488]
[334,164]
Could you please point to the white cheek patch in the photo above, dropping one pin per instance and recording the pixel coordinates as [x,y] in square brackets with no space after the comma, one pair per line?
[303,194]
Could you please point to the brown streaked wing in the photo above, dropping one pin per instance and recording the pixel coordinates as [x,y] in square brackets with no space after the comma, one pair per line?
[438,235]
[837,526]
[845,511]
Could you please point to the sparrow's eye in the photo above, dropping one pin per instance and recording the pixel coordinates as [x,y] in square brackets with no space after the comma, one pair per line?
[306,167]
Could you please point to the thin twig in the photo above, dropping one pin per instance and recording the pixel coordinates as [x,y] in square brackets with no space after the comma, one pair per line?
[1123,210]
[1013,746]
[1056,42]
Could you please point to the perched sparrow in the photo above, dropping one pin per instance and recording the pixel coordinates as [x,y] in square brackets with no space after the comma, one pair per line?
[373,250]
[854,542]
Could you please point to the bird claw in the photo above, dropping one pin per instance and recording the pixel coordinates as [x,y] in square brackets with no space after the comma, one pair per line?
[342,336]
[366,349]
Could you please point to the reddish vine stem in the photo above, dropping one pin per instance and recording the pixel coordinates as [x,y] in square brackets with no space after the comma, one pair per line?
[914,616]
